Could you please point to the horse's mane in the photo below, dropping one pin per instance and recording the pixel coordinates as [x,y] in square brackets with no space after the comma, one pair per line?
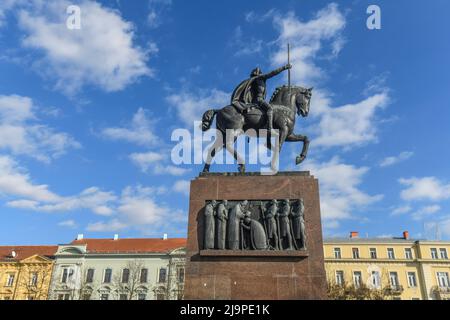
[279,96]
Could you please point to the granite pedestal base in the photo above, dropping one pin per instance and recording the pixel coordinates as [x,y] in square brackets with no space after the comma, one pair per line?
[255,275]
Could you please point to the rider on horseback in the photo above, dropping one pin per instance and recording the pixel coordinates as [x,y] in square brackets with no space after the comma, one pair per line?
[253,91]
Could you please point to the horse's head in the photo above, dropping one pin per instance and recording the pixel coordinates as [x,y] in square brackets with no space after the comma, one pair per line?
[293,97]
[303,101]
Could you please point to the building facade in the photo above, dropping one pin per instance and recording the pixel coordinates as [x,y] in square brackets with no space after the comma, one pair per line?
[25,272]
[119,269]
[409,269]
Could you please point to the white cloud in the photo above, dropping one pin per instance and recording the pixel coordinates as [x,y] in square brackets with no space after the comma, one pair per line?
[68,224]
[145,160]
[245,46]
[425,212]
[139,131]
[15,181]
[389,161]
[182,186]
[190,106]
[427,188]
[21,133]
[308,39]
[101,226]
[339,188]
[348,125]
[101,53]
[157,8]
[401,210]
[137,208]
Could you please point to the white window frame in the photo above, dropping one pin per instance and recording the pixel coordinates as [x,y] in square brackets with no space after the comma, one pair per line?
[444,275]
[34,279]
[10,279]
[389,251]
[359,283]
[434,253]
[340,282]
[104,275]
[357,253]
[414,276]
[69,273]
[408,253]
[371,250]
[337,253]
[121,276]
[140,276]
[376,279]
[87,275]
[397,281]
[443,256]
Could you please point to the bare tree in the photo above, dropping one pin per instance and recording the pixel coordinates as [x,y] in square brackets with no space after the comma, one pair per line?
[349,291]
[127,281]
[35,280]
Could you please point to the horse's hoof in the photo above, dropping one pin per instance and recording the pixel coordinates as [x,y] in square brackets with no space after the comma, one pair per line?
[299,159]
[241,168]
[205,169]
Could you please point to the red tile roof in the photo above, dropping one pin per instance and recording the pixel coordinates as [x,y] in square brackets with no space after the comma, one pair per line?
[145,245]
[23,252]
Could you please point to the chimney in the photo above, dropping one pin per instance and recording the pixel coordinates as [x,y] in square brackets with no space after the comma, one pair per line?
[406,235]
[116,237]
[165,236]
[354,234]
[80,236]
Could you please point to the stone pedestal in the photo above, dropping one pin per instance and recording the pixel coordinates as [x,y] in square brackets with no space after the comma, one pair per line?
[265,274]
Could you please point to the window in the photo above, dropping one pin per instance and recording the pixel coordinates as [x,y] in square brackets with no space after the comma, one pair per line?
[90,276]
[123,296]
[393,278]
[144,275]
[408,253]
[125,275]
[162,275]
[33,279]
[180,275]
[390,252]
[64,296]
[67,274]
[434,254]
[443,253]
[104,296]
[373,253]
[337,253]
[357,278]
[355,252]
[30,298]
[376,279]
[7,298]
[412,282]
[107,275]
[142,296]
[443,279]
[10,280]
[340,278]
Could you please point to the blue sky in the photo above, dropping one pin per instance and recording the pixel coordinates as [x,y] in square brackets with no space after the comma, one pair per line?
[86,115]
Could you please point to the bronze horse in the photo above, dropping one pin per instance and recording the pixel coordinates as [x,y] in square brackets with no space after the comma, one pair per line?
[286,102]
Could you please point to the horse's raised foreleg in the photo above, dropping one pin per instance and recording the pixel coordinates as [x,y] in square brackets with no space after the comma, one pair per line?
[296,138]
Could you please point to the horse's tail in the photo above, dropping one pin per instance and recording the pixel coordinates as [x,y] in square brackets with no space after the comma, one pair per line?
[207,119]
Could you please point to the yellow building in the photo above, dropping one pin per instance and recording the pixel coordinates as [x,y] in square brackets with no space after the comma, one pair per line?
[409,269]
[25,272]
